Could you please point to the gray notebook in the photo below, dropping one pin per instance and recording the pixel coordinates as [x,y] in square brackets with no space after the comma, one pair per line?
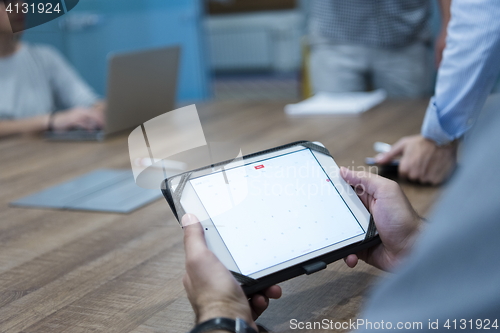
[104,190]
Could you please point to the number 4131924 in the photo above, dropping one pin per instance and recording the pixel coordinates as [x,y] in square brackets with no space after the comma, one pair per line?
[471,324]
[40,8]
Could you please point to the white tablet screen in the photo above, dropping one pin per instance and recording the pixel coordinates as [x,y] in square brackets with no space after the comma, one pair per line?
[275,210]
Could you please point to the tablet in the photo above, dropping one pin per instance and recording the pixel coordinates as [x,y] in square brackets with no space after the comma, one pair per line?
[275,214]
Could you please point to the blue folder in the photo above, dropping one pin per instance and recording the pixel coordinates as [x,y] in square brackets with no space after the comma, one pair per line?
[103,190]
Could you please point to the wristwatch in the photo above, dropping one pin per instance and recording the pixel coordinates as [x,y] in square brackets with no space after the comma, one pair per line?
[226,324]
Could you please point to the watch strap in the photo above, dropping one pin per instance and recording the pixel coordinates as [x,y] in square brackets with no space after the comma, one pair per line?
[227,324]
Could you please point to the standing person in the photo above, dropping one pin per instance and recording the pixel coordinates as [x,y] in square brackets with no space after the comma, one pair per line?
[466,77]
[38,89]
[386,41]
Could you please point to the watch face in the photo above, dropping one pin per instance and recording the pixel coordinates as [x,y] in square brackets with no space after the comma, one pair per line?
[242,327]
[226,324]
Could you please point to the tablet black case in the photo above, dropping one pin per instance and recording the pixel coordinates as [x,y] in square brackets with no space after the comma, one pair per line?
[251,286]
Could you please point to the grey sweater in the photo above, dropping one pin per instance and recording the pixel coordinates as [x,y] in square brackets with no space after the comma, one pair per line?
[36,80]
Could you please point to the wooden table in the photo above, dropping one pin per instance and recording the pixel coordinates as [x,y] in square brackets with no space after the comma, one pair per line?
[67,271]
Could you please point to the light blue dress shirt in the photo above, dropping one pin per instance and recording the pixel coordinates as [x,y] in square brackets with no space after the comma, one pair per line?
[468,72]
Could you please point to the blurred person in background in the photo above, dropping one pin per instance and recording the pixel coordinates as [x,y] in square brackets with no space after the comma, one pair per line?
[39,90]
[362,44]
[466,76]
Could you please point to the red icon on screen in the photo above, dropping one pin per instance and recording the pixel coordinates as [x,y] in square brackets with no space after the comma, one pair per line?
[328,180]
[259,166]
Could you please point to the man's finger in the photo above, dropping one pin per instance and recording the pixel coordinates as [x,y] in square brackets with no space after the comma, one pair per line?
[258,305]
[273,292]
[404,167]
[351,260]
[396,150]
[365,182]
[194,239]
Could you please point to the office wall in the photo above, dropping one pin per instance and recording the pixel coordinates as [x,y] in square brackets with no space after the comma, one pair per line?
[96,28]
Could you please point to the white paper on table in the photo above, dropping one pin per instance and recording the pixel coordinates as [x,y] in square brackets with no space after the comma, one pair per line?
[337,103]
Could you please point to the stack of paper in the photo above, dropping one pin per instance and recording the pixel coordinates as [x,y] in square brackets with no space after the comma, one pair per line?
[337,103]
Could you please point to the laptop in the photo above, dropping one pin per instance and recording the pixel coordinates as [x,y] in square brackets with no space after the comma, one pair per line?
[141,86]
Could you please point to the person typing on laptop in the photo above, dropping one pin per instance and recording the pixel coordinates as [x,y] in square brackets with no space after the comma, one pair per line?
[38,89]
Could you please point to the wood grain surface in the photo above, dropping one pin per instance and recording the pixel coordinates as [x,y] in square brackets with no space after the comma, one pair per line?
[68,271]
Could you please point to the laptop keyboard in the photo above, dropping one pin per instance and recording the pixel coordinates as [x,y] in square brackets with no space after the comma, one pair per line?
[76,135]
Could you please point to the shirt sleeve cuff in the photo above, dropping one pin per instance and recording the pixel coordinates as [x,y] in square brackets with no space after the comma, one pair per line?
[431,128]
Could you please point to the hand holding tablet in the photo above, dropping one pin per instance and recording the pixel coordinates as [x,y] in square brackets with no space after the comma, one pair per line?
[397,222]
[208,282]
[276,214]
